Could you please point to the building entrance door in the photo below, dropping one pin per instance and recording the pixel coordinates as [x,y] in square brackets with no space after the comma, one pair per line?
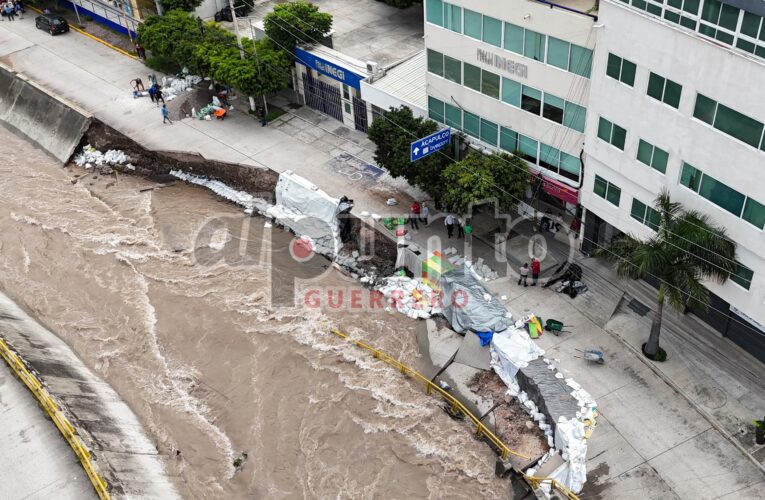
[360,114]
[322,96]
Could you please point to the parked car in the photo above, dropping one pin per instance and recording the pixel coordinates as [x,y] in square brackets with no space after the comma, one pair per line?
[51,23]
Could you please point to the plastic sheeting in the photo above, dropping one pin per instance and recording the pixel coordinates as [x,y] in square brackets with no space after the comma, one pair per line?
[512,350]
[302,196]
[469,306]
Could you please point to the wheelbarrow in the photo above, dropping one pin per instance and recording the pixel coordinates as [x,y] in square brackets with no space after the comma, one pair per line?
[555,326]
[592,356]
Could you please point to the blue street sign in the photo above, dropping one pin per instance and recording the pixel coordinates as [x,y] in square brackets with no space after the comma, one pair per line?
[430,144]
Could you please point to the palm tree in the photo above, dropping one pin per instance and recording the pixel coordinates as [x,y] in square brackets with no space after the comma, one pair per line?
[686,249]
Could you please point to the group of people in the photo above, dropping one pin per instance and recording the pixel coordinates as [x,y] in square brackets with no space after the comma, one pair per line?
[13,9]
[524,272]
[419,213]
[155,93]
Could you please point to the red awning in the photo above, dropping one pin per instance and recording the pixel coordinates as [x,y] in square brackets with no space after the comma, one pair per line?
[559,190]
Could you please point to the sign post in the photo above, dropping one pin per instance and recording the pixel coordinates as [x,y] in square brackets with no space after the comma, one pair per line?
[429,145]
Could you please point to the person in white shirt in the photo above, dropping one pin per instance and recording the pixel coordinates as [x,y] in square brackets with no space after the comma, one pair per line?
[449,223]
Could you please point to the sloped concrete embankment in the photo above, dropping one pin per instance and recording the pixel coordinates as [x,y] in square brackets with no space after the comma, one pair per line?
[123,453]
[37,114]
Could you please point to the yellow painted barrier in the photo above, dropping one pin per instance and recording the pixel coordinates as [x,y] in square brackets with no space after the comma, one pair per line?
[481,430]
[58,418]
[554,485]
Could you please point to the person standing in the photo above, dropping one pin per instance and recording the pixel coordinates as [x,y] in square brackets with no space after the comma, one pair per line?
[414,214]
[165,115]
[524,274]
[535,266]
[424,212]
[468,231]
[449,223]
[10,11]
[153,93]
[460,227]
[158,95]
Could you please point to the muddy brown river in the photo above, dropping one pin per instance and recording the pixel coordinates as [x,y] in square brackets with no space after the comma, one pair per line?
[192,344]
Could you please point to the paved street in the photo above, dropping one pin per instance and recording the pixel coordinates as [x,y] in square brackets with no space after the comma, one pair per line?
[651,442]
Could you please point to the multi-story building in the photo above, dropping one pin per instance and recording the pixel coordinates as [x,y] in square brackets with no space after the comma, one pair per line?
[514,75]
[677,101]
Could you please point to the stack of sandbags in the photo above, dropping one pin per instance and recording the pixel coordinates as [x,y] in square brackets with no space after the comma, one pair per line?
[411,297]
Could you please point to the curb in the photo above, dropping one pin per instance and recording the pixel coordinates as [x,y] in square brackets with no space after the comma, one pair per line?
[707,416]
[93,37]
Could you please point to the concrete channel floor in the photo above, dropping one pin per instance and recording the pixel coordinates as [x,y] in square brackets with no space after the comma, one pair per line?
[650,443]
[36,461]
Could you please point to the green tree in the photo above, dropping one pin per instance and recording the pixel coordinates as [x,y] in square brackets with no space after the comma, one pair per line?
[392,134]
[686,249]
[174,36]
[401,4]
[184,5]
[296,23]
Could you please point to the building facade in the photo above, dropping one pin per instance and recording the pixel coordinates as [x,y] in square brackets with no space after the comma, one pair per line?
[515,76]
[677,102]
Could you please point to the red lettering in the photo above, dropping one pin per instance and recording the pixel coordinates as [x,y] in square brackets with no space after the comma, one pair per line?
[397,298]
[375,299]
[339,299]
[356,299]
[312,299]
[456,296]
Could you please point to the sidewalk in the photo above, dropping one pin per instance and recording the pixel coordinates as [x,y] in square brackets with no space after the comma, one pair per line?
[650,443]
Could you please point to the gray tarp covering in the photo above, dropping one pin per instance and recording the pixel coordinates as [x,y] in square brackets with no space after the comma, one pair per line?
[466,306]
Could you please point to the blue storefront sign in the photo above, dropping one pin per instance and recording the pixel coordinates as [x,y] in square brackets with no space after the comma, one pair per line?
[331,69]
[429,145]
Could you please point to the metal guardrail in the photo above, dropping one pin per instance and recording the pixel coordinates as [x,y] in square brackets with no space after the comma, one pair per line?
[56,415]
[481,430]
[554,485]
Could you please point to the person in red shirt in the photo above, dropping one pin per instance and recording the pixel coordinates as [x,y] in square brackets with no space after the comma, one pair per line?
[414,214]
[534,271]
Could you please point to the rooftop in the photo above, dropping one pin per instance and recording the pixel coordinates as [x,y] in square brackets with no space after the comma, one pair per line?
[582,6]
[407,81]
[367,30]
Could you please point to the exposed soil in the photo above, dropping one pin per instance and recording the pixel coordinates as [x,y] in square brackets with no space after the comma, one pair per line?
[513,425]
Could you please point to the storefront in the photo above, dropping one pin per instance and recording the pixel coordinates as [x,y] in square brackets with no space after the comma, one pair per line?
[330,82]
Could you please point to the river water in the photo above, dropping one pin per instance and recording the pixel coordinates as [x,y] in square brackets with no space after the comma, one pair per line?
[210,369]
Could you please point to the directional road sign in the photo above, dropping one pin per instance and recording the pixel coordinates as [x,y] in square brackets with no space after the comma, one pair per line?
[430,144]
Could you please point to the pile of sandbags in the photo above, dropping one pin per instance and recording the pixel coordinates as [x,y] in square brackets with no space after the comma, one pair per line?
[411,297]
[90,157]
[481,270]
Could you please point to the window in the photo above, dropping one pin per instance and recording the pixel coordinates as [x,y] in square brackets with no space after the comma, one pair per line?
[346,92]
[558,53]
[570,166]
[754,213]
[621,69]
[492,31]
[531,100]
[581,61]
[645,214]
[511,92]
[453,116]
[690,177]
[489,132]
[716,14]
[435,62]
[721,195]
[508,139]
[553,108]
[607,191]
[514,38]
[472,76]
[471,124]
[452,69]
[528,148]
[612,133]
[453,18]
[742,276]
[347,108]
[435,9]
[664,90]
[574,116]
[490,84]
[534,45]
[729,121]
[435,109]
[549,157]
[652,156]
[473,24]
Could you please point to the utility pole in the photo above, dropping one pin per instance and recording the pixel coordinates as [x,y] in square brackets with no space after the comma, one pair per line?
[239,43]
[257,60]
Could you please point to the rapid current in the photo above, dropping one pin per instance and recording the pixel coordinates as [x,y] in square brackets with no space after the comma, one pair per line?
[207,365]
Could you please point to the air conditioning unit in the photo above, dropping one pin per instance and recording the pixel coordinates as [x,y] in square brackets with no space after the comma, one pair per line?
[372,67]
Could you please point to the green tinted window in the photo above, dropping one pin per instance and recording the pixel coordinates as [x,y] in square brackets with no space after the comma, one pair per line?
[705,109]
[613,194]
[581,61]
[490,84]
[473,24]
[549,157]
[672,93]
[570,166]
[614,66]
[638,210]
[508,139]
[511,92]
[453,116]
[750,25]
[621,69]
[435,12]
[618,137]
[531,100]
[743,276]
[553,108]
[472,76]
[534,45]
[729,17]
[721,195]
[690,177]
[557,52]
[738,125]
[471,124]
[660,158]
[489,132]
[452,69]
[604,129]
[435,62]
[754,213]
[645,152]
[514,38]
[436,109]
[655,86]
[527,148]
[453,18]
[653,218]
[600,187]
[492,31]
[574,116]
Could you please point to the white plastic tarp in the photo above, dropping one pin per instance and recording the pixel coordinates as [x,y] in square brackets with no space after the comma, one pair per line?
[513,350]
[302,196]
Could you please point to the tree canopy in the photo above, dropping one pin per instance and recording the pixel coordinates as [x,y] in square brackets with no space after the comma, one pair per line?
[175,35]
[480,177]
[392,133]
[296,23]
[686,248]
[184,5]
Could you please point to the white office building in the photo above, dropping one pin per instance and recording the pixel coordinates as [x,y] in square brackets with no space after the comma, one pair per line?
[514,75]
[677,101]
